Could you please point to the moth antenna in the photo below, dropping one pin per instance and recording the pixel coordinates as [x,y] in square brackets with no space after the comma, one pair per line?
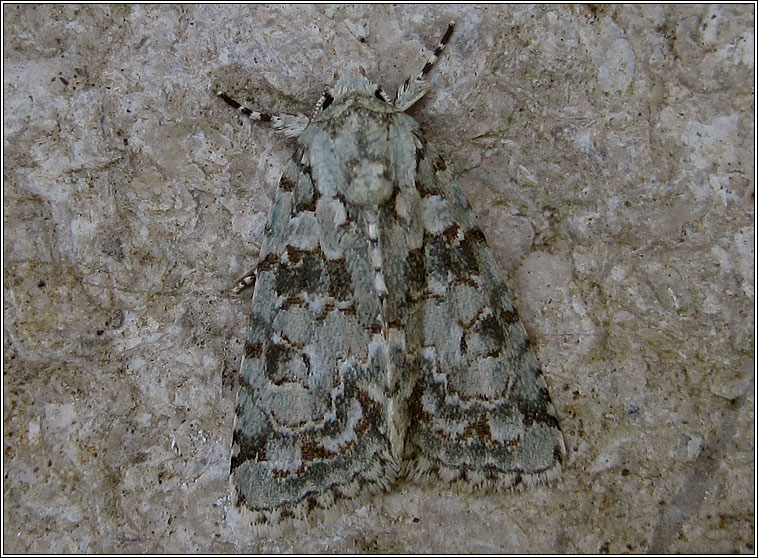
[291,125]
[413,89]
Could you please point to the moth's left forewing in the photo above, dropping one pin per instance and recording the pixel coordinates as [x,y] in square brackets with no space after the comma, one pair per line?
[480,414]
[311,426]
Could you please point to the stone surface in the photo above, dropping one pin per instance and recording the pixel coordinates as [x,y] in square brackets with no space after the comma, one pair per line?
[608,151]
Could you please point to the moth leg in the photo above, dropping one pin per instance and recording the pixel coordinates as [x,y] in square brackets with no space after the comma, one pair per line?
[291,125]
[247,280]
[415,88]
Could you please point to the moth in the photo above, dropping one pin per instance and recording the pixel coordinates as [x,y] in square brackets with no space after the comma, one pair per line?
[383,343]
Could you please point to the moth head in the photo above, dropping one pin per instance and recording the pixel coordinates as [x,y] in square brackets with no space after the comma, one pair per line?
[351,83]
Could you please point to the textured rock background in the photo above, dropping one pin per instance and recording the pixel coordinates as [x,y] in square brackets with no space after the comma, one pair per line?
[608,152]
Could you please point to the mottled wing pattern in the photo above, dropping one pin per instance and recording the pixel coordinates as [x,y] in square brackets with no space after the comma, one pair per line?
[383,342]
[481,415]
[310,422]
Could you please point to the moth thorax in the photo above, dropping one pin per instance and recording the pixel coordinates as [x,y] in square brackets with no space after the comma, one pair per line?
[370,183]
